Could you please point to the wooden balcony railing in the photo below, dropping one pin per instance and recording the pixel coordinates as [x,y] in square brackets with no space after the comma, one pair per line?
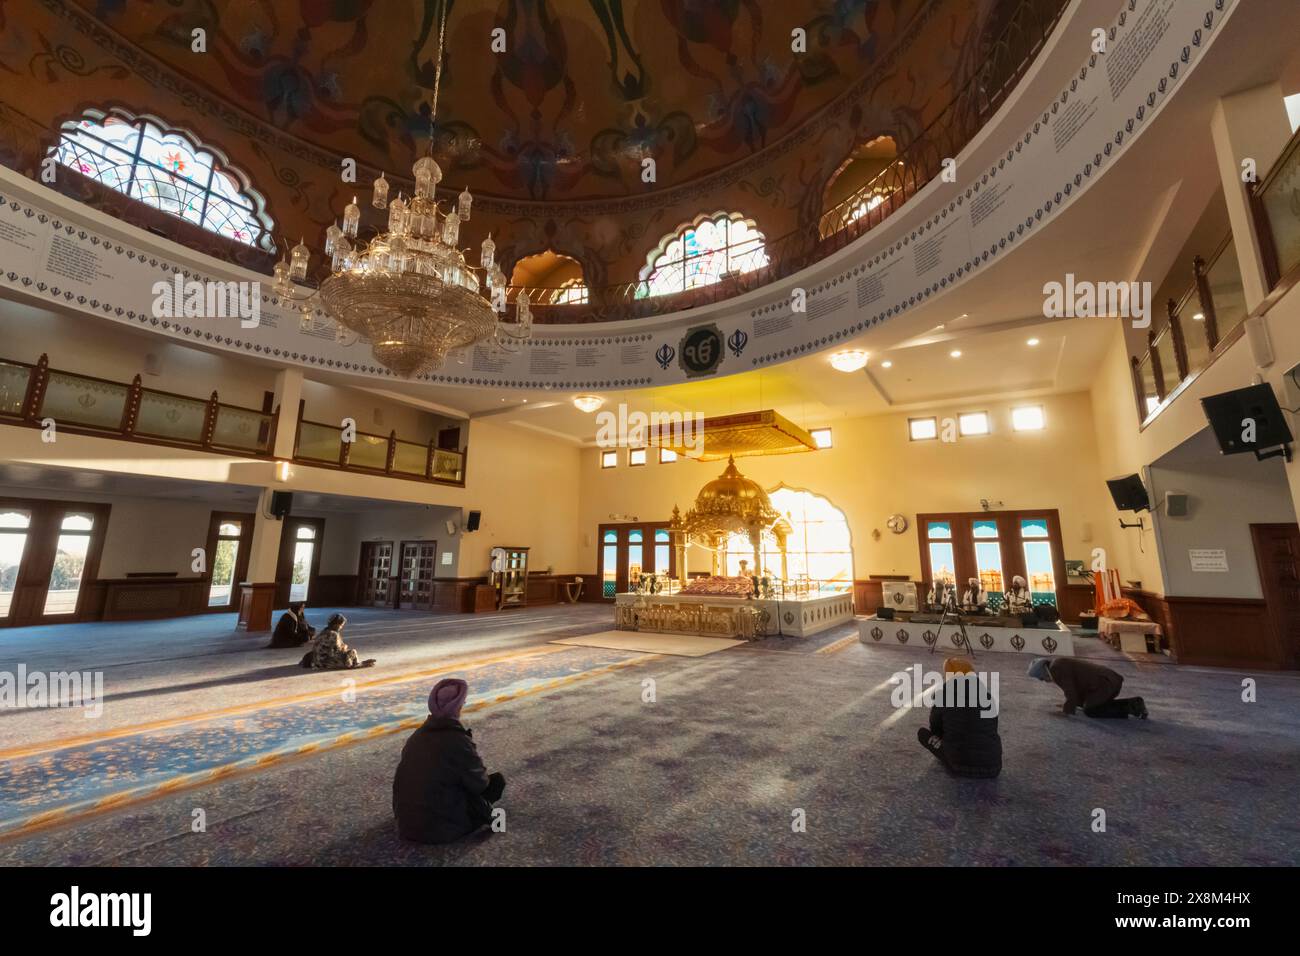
[82,404]
[1200,325]
[323,445]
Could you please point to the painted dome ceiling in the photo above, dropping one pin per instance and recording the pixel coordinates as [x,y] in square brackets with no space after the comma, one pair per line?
[581,93]
[549,134]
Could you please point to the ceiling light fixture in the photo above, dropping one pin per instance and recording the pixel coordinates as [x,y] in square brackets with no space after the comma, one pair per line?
[886,364]
[1032,342]
[849,360]
[409,289]
[588,403]
[1198,317]
[955,353]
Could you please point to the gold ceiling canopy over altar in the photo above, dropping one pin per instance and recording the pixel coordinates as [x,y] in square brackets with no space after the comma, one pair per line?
[729,504]
[732,436]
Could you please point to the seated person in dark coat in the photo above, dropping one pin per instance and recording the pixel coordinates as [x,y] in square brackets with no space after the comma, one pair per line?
[1089,686]
[442,791]
[962,734]
[292,630]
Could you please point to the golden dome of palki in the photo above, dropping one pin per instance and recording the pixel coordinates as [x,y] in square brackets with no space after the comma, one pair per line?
[730,502]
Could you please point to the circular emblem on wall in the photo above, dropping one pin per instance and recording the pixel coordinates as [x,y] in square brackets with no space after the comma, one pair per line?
[877,633]
[1049,644]
[700,352]
[986,640]
[1017,642]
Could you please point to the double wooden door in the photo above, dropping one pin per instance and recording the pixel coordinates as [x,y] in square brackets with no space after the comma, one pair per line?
[630,550]
[376,574]
[415,579]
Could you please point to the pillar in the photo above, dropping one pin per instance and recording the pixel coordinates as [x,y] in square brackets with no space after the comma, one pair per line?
[257,591]
[1251,124]
[288,395]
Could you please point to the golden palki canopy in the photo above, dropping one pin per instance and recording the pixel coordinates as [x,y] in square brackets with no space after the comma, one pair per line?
[730,502]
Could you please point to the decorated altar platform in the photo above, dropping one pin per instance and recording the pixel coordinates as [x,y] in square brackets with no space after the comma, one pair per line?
[737,618]
[1056,641]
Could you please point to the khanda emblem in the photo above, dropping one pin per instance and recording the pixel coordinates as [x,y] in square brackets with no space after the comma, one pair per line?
[665,356]
[737,342]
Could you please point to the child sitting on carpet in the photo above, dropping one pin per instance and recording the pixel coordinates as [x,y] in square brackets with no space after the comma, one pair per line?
[442,791]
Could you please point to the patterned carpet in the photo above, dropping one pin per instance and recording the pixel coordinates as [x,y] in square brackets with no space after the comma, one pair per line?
[712,771]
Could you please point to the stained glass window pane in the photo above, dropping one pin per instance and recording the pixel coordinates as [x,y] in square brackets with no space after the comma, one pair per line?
[702,254]
[1033,528]
[166,171]
[939,529]
[984,529]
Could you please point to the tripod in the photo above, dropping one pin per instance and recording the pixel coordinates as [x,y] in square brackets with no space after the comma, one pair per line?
[952,614]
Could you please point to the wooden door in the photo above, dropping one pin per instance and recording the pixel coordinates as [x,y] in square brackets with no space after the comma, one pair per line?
[419,563]
[376,569]
[1277,553]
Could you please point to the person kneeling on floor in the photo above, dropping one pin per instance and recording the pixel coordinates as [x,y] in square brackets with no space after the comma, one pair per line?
[442,791]
[963,731]
[1089,686]
[330,653]
[292,630]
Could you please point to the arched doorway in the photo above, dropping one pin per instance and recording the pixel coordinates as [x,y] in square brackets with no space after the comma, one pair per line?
[819,547]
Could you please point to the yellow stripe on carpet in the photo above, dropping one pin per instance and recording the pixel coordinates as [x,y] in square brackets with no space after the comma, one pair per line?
[675,645]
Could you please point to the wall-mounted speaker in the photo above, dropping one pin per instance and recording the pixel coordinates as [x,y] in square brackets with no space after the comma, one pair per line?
[451,526]
[472,523]
[281,503]
[1261,346]
[1176,504]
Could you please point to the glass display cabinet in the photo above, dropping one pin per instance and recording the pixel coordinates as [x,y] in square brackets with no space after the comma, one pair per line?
[510,576]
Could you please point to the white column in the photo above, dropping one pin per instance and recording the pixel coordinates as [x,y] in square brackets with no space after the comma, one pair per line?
[1250,125]
[288,394]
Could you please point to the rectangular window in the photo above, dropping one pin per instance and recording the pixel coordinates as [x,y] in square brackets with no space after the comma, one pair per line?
[666,455]
[821,437]
[636,456]
[922,429]
[13,542]
[1028,418]
[973,423]
[608,459]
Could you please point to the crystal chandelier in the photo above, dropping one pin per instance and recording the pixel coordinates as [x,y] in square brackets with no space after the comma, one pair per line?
[409,289]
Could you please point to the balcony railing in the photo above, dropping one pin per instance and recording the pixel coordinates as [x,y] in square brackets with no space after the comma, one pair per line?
[1202,323]
[322,444]
[83,404]
[1275,201]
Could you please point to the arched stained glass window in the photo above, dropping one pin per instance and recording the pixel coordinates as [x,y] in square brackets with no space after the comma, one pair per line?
[167,170]
[700,254]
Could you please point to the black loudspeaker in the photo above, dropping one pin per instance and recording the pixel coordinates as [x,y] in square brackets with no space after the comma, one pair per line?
[1129,493]
[884,614]
[1234,415]
[281,503]
[471,523]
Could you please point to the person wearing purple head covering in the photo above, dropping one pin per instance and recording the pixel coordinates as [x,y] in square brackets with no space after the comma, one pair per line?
[442,791]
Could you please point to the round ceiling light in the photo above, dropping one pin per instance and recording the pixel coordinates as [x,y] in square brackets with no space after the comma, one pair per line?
[588,403]
[955,353]
[886,364]
[850,360]
[1032,342]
